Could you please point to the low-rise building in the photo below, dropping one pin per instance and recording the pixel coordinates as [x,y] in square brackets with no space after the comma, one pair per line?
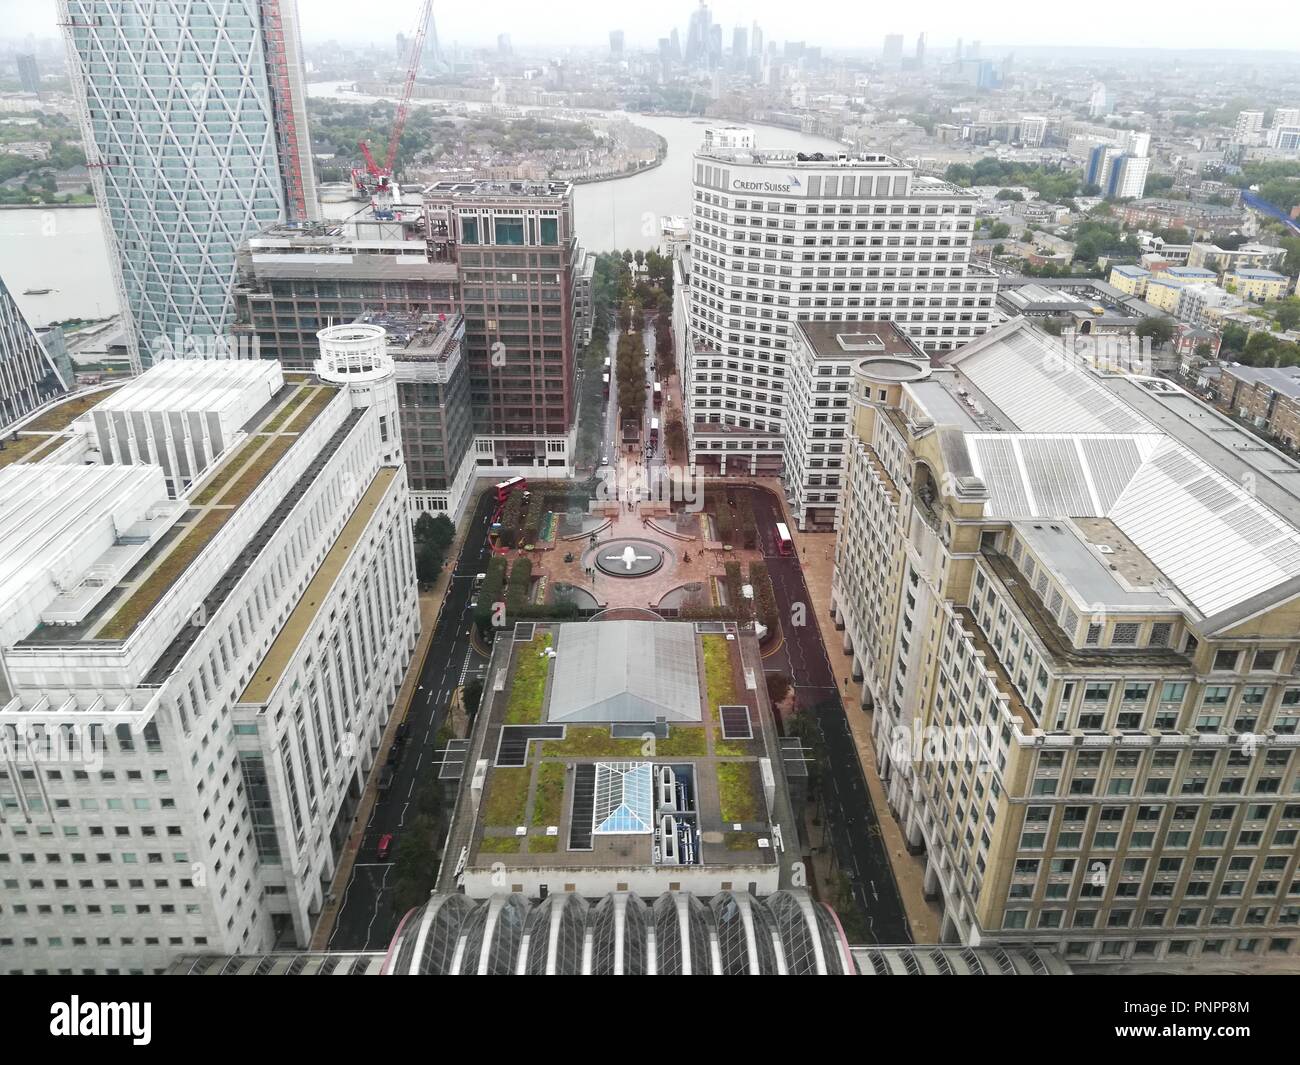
[1259,285]
[616,756]
[1130,279]
[1267,396]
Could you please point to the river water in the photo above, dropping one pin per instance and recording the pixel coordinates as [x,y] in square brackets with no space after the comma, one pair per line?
[63,249]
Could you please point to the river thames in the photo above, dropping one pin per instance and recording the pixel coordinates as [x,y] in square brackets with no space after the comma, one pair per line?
[63,249]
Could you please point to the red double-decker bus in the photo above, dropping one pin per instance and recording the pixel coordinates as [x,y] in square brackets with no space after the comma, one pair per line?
[659,395]
[654,430]
[510,484]
[605,381]
[784,545]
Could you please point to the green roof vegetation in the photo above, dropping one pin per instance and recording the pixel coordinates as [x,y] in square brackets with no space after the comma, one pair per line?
[548,797]
[296,400]
[741,841]
[507,797]
[151,590]
[524,707]
[590,741]
[499,845]
[228,470]
[56,419]
[307,415]
[682,742]
[720,681]
[738,791]
[21,448]
[255,472]
[543,844]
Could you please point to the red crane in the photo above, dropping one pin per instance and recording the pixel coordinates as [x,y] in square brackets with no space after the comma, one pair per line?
[375,177]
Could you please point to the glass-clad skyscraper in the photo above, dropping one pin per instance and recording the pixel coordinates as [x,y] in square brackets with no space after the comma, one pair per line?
[28,375]
[196,135]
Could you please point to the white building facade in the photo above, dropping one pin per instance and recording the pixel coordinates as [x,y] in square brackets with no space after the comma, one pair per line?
[780,237]
[188,726]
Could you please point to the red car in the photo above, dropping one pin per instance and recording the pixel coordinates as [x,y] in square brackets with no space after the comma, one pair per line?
[385,846]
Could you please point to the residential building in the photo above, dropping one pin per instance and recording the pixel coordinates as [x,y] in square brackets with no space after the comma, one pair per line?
[1071,596]
[29,376]
[1222,260]
[1164,288]
[1033,128]
[1248,126]
[1261,286]
[782,237]
[1266,396]
[193,689]
[1130,279]
[174,217]
[822,357]
[1201,304]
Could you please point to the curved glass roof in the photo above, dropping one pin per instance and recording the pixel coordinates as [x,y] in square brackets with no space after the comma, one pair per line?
[621,935]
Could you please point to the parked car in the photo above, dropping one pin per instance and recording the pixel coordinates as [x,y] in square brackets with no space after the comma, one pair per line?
[400,735]
[385,846]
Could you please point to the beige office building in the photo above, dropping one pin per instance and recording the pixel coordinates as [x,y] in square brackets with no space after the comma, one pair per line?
[1072,597]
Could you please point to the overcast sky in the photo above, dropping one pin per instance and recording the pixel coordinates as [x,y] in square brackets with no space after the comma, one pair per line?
[1271,24]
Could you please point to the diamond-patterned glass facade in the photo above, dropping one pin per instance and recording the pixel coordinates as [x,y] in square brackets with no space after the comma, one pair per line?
[179,120]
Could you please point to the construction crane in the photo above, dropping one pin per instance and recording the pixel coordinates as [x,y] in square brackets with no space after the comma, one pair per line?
[375,180]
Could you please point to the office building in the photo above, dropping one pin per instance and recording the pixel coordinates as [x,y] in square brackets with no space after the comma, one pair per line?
[819,411]
[514,247]
[616,44]
[520,292]
[205,144]
[781,237]
[1099,103]
[193,689]
[1072,597]
[29,376]
[434,407]
[699,37]
[29,74]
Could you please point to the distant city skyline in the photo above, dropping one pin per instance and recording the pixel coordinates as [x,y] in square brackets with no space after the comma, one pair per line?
[1020,24]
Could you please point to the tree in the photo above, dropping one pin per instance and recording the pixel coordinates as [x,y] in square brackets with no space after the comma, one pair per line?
[1204,350]
[1160,330]
[417,865]
[471,695]
[640,258]
[428,562]
[999,230]
[1287,313]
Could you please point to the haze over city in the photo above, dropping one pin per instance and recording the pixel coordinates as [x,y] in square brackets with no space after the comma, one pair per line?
[615,490]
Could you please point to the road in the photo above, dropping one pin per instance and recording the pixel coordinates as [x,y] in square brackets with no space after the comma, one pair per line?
[855,828]
[366,919]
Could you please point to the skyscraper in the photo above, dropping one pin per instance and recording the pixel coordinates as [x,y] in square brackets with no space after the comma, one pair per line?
[28,377]
[893,48]
[616,44]
[194,122]
[699,35]
[29,75]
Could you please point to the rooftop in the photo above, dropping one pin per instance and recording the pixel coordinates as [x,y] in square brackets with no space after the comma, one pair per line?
[1141,453]
[169,551]
[422,337]
[841,339]
[567,779]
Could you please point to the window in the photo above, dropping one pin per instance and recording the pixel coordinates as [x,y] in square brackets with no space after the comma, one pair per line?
[1226,660]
